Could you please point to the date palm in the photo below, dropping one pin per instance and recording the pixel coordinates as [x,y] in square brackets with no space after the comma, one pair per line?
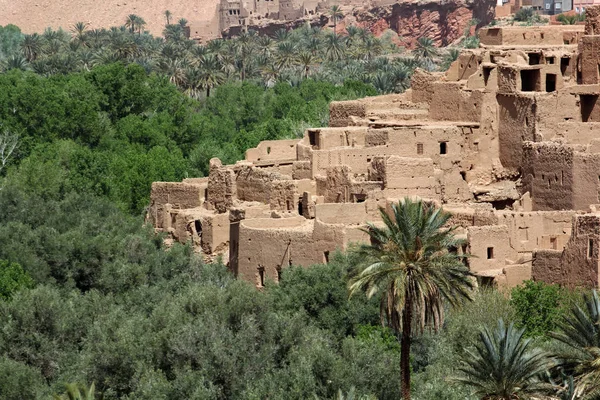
[425,49]
[335,47]
[168,16]
[31,46]
[504,365]
[335,12]
[74,391]
[580,331]
[409,264]
[210,74]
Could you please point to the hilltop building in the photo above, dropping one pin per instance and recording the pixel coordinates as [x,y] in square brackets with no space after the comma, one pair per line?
[508,140]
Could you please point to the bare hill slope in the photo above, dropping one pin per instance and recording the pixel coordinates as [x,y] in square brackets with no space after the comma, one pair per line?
[36,15]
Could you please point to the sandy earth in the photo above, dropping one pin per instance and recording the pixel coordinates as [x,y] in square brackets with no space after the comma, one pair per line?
[36,15]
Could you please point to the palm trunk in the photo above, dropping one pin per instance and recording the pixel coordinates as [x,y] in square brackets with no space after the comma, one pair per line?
[405,349]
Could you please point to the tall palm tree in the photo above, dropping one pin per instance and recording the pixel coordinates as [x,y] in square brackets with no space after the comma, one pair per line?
[131,22]
[306,60]
[210,75]
[581,332]
[504,366]
[168,16]
[409,263]
[425,49]
[335,12]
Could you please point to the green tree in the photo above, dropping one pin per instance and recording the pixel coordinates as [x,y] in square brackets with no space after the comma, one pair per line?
[410,264]
[168,16]
[504,366]
[12,279]
[538,306]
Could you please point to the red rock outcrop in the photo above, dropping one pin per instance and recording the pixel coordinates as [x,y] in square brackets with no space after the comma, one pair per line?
[442,21]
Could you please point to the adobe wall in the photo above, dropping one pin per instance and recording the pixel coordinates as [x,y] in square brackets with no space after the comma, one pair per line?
[273,244]
[165,196]
[548,175]
[451,103]
[548,35]
[222,188]
[586,182]
[269,150]
[537,230]
[517,121]
[490,247]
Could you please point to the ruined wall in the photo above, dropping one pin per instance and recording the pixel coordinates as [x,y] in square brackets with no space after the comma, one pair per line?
[548,175]
[273,244]
[269,150]
[451,103]
[221,186]
[516,124]
[586,182]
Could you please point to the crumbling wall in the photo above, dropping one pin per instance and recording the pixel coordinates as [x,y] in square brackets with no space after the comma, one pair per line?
[165,196]
[548,175]
[269,150]
[451,103]
[340,112]
[221,189]
[586,180]
[515,126]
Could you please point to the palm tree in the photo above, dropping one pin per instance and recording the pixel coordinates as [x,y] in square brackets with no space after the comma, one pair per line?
[335,12]
[286,52]
[16,61]
[168,16]
[409,263]
[306,60]
[131,22]
[581,332]
[504,366]
[79,29]
[335,47]
[31,46]
[210,75]
[425,49]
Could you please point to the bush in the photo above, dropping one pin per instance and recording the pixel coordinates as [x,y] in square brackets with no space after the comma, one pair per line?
[538,307]
[12,279]
[524,14]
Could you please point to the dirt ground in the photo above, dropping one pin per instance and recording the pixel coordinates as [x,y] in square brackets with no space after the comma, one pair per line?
[36,15]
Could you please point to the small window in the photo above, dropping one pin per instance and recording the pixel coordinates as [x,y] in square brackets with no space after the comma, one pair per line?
[553,243]
[443,147]
[590,248]
[312,138]
[534,58]
[419,148]
[550,60]
[550,82]
[268,150]
[476,146]
[487,71]
[490,253]
[326,257]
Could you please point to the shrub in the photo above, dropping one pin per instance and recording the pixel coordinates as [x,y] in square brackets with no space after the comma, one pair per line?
[538,307]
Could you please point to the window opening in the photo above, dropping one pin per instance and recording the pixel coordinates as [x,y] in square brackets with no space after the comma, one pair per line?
[443,147]
[326,257]
[534,58]
[419,148]
[261,276]
[490,253]
[590,248]
[550,82]
[564,65]
[487,71]
[529,79]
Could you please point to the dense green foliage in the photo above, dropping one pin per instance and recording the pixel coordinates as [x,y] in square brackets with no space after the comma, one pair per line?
[538,307]
[114,130]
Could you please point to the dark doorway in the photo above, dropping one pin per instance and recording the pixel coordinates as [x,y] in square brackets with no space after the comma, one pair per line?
[564,65]
[530,79]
